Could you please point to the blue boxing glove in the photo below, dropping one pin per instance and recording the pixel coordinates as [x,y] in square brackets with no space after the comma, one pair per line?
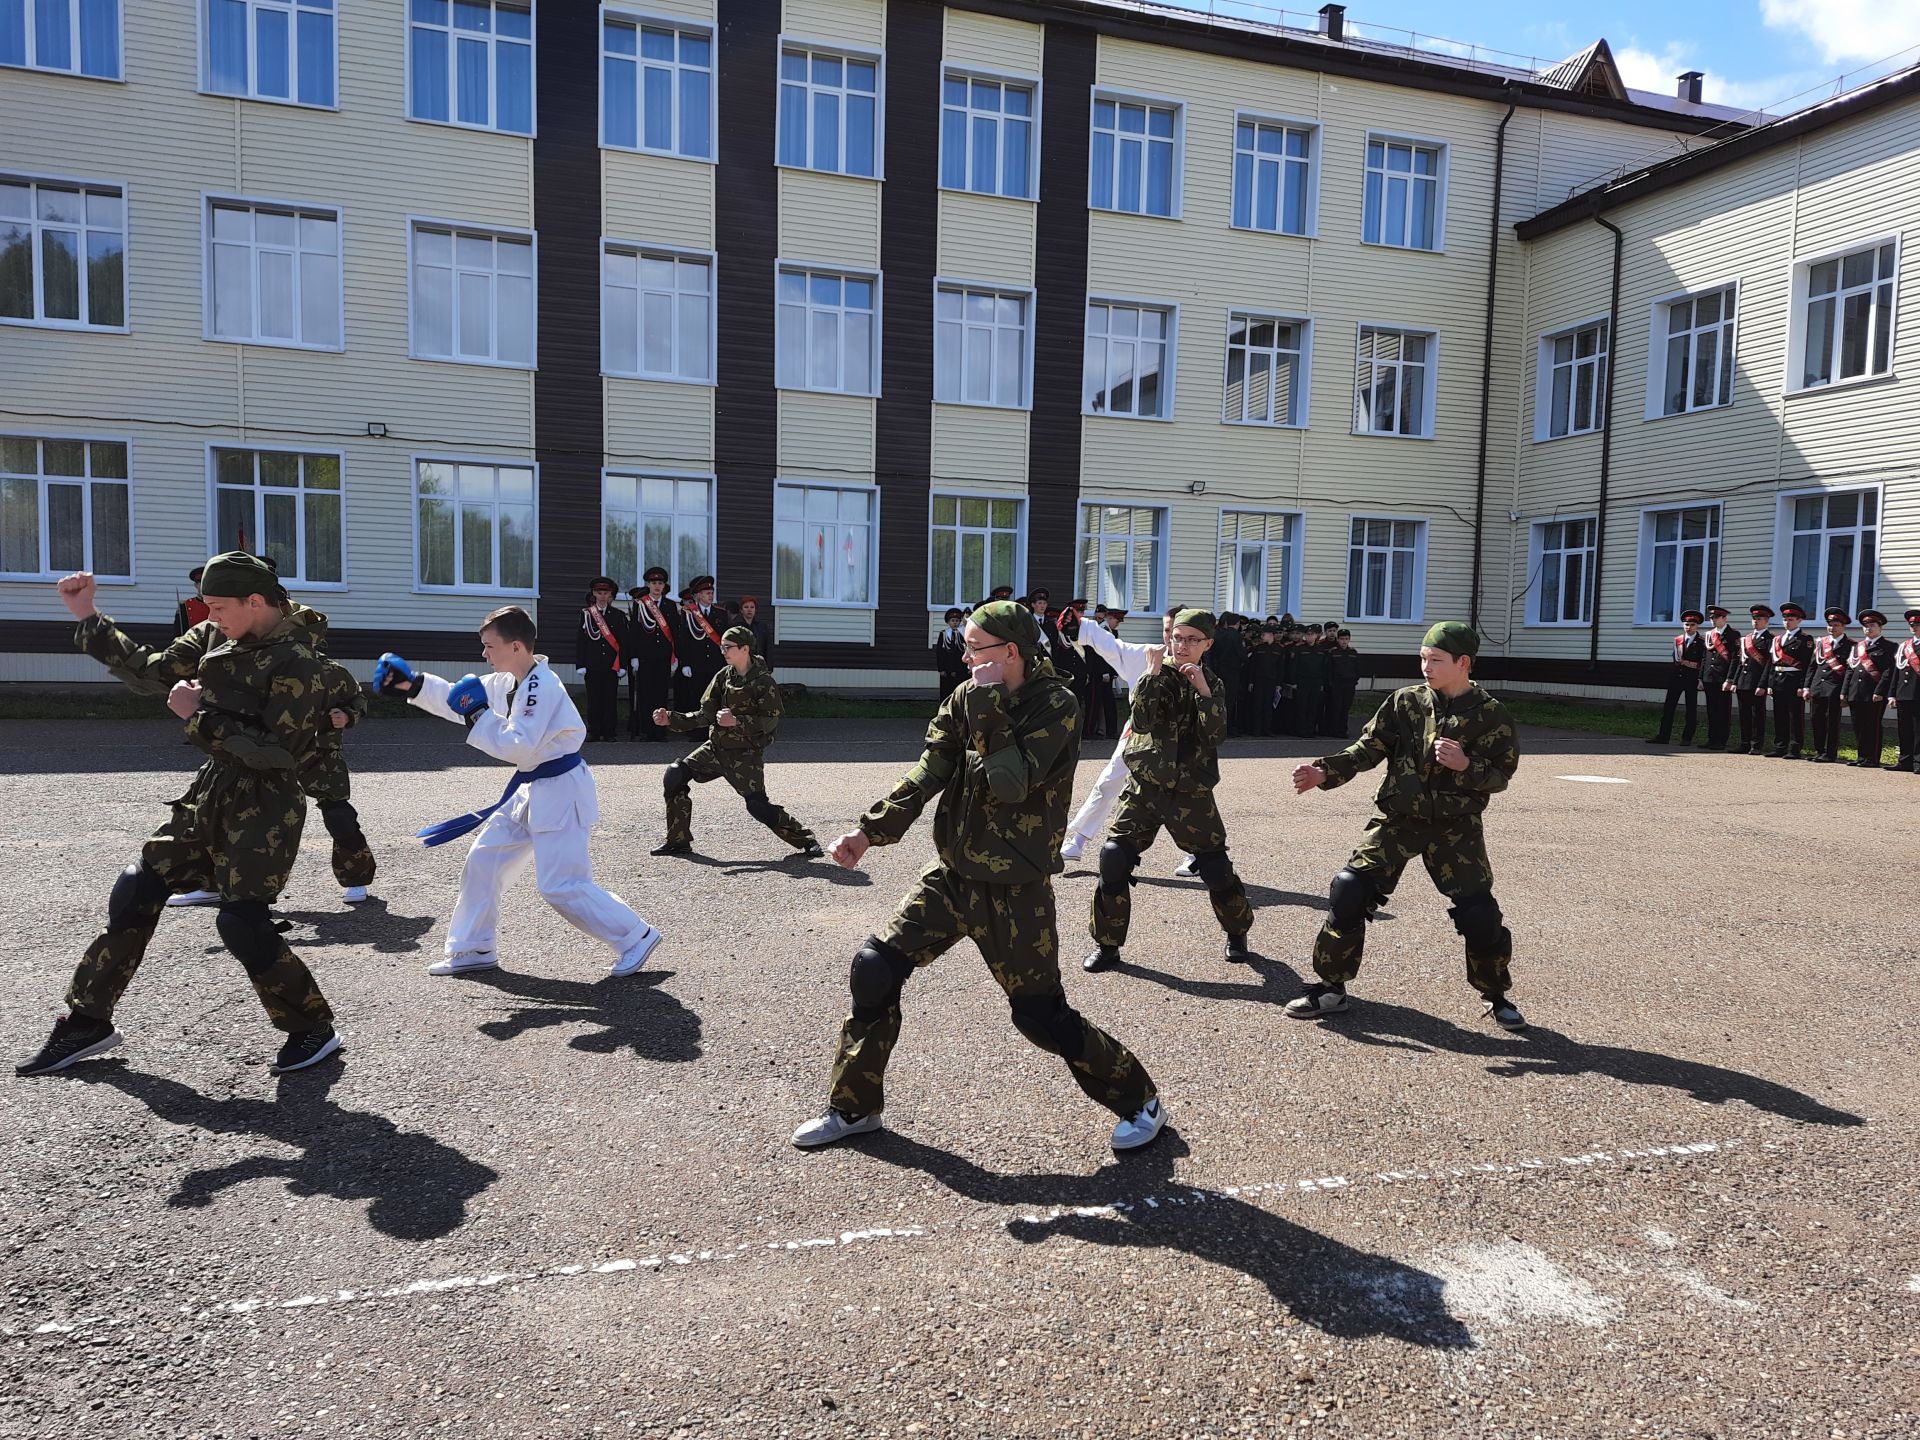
[468,697]
[391,673]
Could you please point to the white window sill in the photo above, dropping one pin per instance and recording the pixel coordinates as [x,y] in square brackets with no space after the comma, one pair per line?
[471,128]
[72,327]
[709,161]
[1129,419]
[483,591]
[1266,424]
[990,195]
[658,379]
[985,405]
[1404,249]
[1556,624]
[525,369]
[15,578]
[832,605]
[1419,619]
[277,344]
[1853,383]
[1682,414]
[268,100]
[1136,214]
[874,179]
[65,74]
[332,587]
[1389,435]
[1277,234]
[817,390]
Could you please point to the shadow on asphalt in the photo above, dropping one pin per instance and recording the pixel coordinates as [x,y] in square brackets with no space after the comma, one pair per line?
[1278,982]
[369,923]
[789,865]
[419,1187]
[1262,897]
[1329,1285]
[627,1012]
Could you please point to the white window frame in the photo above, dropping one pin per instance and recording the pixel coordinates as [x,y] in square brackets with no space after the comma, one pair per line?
[1658,337]
[497,462]
[290,8]
[873,543]
[648,19]
[1106,95]
[617,472]
[20,432]
[1536,574]
[1423,528]
[1601,362]
[1797,318]
[493,75]
[256,448]
[1442,167]
[809,268]
[1783,533]
[1162,538]
[1430,399]
[1171,309]
[1310,218]
[1024,294]
[1018,580]
[1290,598]
[951,71]
[415,223]
[645,250]
[1710,573]
[256,203]
[29,41]
[1303,386]
[833,49]
[35,225]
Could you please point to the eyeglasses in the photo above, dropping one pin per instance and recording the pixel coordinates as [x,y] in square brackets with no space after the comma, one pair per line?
[982,649]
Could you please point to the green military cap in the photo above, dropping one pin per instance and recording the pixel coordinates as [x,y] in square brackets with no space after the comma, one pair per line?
[236,575]
[1009,620]
[1200,620]
[738,635]
[1453,636]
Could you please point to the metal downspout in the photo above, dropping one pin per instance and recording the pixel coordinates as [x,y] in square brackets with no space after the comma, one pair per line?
[1486,361]
[1606,441]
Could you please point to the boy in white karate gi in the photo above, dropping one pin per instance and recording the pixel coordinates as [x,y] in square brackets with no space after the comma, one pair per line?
[522,714]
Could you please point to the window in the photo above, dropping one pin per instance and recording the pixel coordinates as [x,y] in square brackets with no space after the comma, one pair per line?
[270,49]
[657,314]
[979,347]
[1129,368]
[473,526]
[470,62]
[987,136]
[472,296]
[63,254]
[1272,176]
[1844,315]
[1386,568]
[1259,562]
[657,88]
[1135,165]
[282,505]
[64,506]
[975,546]
[1691,367]
[829,111]
[77,37]
[1121,548]
[648,520]
[1832,547]
[274,275]
[1393,390]
[1570,388]
[828,332]
[1266,370]
[1563,572]
[1679,561]
[823,552]
[1404,193]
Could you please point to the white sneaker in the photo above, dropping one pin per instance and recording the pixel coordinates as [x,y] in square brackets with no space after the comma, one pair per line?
[832,1126]
[194,897]
[1184,870]
[637,953]
[1075,847]
[1139,1129]
[354,894]
[460,964]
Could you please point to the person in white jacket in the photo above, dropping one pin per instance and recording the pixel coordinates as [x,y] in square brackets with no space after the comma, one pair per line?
[1129,662]
[521,714]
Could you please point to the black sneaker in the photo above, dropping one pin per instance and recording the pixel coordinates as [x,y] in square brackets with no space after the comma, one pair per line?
[673,847]
[1506,1014]
[1319,1000]
[74,1038]
[1104,958]
[1237,950]
[810,851]
[304,1048]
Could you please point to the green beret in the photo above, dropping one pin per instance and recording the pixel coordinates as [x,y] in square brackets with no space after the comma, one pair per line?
[738,635]
[1453,636]
[1009,620]
[1200,620]
[236,575]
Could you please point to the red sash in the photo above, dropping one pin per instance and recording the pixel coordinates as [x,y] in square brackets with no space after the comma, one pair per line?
[600,630]
[196,609]
[1680,646]
[701,620]
[1756,652]
[1826,645]
[1863,660]
[1719,643]
[1912,651]
[1782,656]
[659,620]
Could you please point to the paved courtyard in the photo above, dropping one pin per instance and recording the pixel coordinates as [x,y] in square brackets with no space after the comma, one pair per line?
[545,1203]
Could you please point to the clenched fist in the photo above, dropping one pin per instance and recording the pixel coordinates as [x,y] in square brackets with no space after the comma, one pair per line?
[76,593]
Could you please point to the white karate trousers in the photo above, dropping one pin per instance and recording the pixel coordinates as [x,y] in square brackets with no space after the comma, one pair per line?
[500,853]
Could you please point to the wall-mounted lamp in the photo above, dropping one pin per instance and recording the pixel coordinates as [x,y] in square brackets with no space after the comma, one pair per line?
[376,430]
[1196,487]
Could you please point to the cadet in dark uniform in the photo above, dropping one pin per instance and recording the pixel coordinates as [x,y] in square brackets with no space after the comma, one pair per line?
[1716,676]
[762,628]
[600,653]
[650,669]
[1826,677]
[1103,714]
[192,610]
[1905,696]
[1309,684]
[1689,654]
[950,655]
[696,644]
[1868,682]
[1229,657]
[1263,678]
[1786,682]
[1750,681]
[1343,683]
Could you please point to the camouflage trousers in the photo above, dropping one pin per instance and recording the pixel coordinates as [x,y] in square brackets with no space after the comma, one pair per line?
[1013,926]
[326,782]
[1192,822]
[746,773]
[1455,854]
[233,833]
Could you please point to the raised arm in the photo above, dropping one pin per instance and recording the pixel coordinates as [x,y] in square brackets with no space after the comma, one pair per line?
[1015,763]
[1374,745]
[286,727]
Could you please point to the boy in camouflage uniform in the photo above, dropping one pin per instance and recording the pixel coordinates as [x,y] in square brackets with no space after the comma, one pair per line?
[1173,754]
[739,714]
[253,706]
[1449,746]
[1000,756]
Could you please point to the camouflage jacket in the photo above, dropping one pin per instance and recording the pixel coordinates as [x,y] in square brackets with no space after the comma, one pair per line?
[1176,731]
[1416,786]
[1002,766]
[754,699]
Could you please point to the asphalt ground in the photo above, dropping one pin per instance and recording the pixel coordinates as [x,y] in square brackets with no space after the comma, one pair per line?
[547,1203]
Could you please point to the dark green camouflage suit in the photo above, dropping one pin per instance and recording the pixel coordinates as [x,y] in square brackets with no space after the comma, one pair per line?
[1002,767]
[1173,760]
[735,753]
[236,830]
[1428,811]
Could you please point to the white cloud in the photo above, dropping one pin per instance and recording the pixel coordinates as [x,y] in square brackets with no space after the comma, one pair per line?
[1658,70]
[1846,31]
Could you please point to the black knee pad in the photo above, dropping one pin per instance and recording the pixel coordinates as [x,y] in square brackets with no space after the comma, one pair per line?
[761,808]
[1051,1023]
[342,822]
[138,891]
[246,929]
[1479,921]
[1351,897]
[875,979]
[1116,867]
[1214,869]
[675,780]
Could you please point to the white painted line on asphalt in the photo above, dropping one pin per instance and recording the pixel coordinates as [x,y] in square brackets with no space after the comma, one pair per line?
[450,1284]
[1594,779]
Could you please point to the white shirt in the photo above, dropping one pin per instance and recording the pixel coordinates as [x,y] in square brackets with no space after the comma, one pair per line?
[1129,661]
[544,724]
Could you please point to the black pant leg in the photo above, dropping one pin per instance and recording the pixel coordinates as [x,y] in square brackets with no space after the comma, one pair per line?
[1904,719]
[1693,715]
[1667,705]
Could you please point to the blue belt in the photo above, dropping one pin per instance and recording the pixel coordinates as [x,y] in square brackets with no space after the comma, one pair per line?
[465,824]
